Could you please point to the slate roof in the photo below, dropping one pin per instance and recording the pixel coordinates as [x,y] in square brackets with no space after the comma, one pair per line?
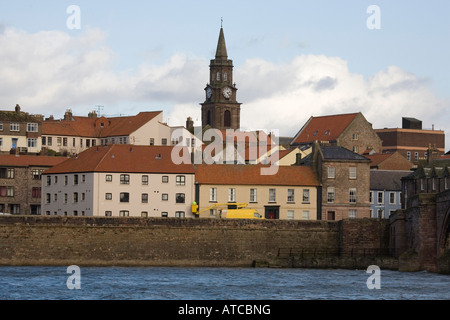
[340,153]
[389,180]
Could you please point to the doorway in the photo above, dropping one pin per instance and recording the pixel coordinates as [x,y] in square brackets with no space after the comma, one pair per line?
[272,212]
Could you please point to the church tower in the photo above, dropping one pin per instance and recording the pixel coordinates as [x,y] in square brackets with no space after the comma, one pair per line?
[220,109]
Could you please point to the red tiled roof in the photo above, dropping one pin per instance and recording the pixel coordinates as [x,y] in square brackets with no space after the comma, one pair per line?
[9,160]
[91,127]
[326,128]
[123,158]
[226,174]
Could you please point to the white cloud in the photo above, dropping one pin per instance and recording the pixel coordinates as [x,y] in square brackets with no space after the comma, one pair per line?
[47,72]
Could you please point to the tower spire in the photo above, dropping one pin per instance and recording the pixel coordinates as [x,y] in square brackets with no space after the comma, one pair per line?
[221,52]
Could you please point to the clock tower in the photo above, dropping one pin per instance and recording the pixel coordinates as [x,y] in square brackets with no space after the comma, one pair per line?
[220,109]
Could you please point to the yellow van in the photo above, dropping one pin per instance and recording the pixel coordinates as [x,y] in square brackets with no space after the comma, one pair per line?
[241,214]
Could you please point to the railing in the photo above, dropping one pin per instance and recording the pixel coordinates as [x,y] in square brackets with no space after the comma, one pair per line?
[335,252]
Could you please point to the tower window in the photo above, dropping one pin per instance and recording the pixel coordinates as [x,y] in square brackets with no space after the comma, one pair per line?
[218,76]
[225,76]
[208,120]
[227,118]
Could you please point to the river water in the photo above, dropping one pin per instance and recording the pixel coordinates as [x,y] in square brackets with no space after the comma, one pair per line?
[114,283]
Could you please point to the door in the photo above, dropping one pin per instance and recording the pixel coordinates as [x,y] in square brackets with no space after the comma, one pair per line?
[14,143]
[272,212]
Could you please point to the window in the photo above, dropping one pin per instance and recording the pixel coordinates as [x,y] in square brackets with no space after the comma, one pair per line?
[152,141]
[305,215]
[371,196]
[64,142]
[291,197]
[272,195]
[49,141]
[355,136]
[83,178]
[37,174]
[253,195]
[290,214]
[331,215]
[14,127]
[49,180]
[164,197]
[75,197]
[416,156]
[124,213]
[108,178]
[218,76]
[32,142]
[180,198]
[352,195]
[55,197]
[108,213]
[66,180]
[124,179]
[306,196]
[164,214]
[73,142]
[145,180]
[144,214]
[180,214]
[108,196]
[164,142]
[165,179]
[48,198]
[32,127]
[7,173]
[181,180]
[330,195]
[355,149]
[212,194]
[59,141]
[144,198]
[380,196]
[391,197]
[352,173]
[331,172]
[352,213]
[36,192]
[124,197]
[75,179]
[1,126]
[66,198]
[408,156]
[231,195]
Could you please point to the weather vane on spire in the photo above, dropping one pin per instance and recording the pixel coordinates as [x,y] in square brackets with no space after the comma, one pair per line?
[221,22]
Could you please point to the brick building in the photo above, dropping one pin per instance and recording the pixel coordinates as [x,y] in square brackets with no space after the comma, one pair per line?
[344,177]
[351,131]
[412,141]
[20,182]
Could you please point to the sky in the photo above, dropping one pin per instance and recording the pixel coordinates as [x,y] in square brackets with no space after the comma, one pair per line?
[292,59]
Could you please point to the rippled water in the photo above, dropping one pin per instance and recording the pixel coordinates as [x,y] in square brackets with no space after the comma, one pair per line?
[112,283]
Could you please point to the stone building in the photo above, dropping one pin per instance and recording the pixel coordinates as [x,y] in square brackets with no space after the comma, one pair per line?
[344,178]
[351,131]
[20,132]
[20,182]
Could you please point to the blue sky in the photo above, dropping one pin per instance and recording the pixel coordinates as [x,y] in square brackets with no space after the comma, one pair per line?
[128,44]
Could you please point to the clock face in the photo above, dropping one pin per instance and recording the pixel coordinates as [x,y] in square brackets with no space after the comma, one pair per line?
[227,92]
[208,93]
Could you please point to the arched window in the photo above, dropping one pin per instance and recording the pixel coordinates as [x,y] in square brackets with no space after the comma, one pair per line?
[227,119]
[225,76]
[218,76]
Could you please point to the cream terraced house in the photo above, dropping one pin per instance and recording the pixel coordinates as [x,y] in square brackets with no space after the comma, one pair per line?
[119,180]
[289,194]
